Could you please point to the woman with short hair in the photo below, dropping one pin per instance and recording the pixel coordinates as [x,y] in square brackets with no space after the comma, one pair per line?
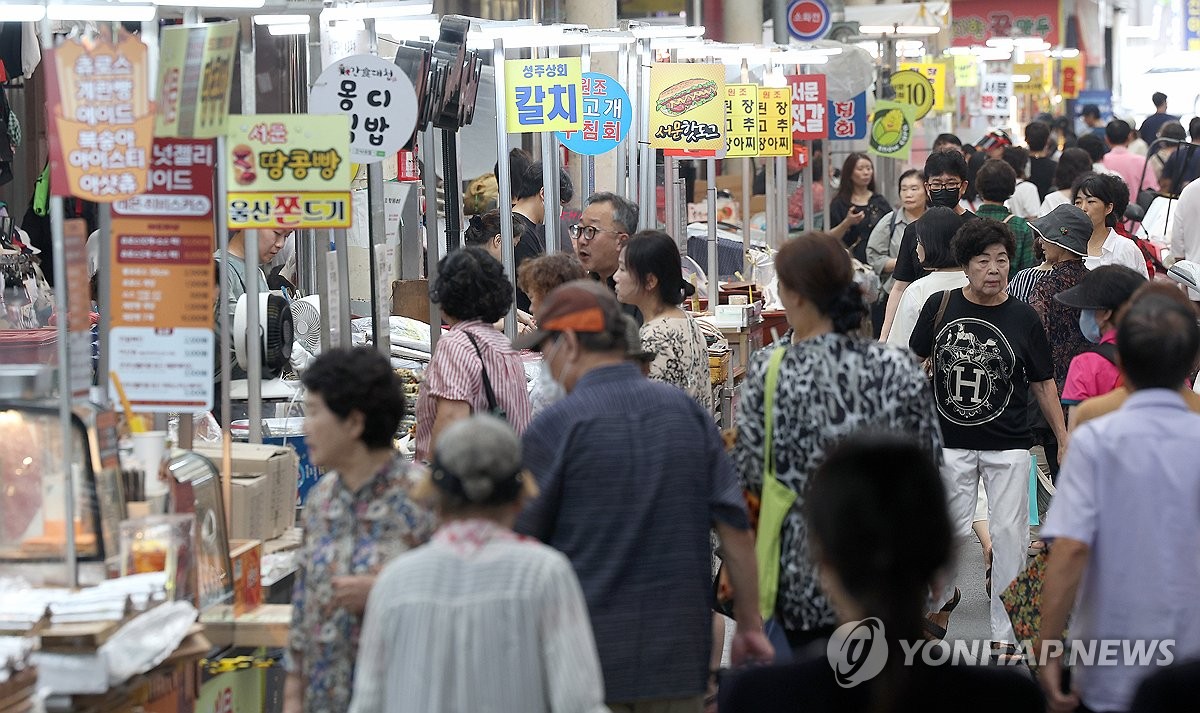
[1104,198]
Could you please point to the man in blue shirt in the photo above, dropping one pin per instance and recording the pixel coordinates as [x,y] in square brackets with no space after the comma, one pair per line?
[1151,124]
[633,474]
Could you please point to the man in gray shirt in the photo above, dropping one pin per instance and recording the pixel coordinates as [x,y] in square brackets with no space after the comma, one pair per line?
[270,242]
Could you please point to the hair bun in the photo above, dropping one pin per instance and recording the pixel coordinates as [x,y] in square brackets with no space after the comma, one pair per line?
[848,309]
[688,289]
[477,222]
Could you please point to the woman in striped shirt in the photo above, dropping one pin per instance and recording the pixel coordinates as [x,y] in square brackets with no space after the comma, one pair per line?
[480,618]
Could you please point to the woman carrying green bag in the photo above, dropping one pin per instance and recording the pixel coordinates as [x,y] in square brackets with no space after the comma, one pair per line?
[816,388]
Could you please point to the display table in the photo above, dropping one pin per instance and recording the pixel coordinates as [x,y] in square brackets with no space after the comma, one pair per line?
[267,625]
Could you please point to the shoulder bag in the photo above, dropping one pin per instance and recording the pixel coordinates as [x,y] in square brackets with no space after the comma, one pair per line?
[494,407]
[777,499]
[927,365]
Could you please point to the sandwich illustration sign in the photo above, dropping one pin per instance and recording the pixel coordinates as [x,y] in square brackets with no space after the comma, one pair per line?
[688,107]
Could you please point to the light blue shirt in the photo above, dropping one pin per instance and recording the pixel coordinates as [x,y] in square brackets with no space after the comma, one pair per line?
[1130,489]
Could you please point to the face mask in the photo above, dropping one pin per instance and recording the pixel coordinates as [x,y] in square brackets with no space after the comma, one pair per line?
[944,197]
[1089,326]
[550,389]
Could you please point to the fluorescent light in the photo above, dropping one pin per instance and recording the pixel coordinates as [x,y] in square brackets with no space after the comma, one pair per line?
[991,54]
[898,29]
[97,12]
[248,4]
[957,51]
[296,29]
[1033,44]
[410,28]
[280,19]
[661,31]
[24,12]
[1065,54]
[1022,79]
[365,10]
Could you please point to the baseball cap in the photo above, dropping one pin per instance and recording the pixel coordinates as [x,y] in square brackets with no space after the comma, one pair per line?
[1106,287]
[582,306]
[1066,226]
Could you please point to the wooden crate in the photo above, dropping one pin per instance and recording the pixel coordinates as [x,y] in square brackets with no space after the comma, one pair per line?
[718,367]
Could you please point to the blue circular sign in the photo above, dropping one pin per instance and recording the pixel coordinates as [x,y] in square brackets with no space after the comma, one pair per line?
[808,20]
[606,117]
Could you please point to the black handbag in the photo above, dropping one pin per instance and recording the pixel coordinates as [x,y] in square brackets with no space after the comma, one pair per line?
[494,407]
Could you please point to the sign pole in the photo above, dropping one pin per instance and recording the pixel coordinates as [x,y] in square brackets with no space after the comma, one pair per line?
[624,151]
[747,189]
[714,297]
[587,164]
[224,325]
[649,197]
[377,237]
[250,241]
[504,181]
[550,180]
[433,237]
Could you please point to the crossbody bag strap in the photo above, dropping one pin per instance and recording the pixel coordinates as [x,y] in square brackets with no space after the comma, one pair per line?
[487,382]
[771,383]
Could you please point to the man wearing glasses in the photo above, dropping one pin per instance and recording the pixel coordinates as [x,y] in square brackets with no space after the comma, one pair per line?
[606,223]
[945,184]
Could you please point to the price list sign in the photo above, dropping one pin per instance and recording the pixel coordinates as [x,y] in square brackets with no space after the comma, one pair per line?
[774,122]
[162,281]
[741,120]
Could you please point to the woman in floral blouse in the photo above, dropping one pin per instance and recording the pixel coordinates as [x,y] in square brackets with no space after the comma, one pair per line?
[357,518]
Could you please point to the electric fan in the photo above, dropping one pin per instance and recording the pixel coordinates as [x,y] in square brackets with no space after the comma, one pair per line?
[274,329]
[306,319]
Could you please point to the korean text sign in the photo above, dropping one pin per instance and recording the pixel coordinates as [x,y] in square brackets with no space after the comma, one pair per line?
[936,73]
[1071,77]
[775,122]
[892,130]
[977,21]
[195,74]
[102,120]
[379,99]
[161,287]
[809,120]
[996,94]
[741,120]
[687,110]
[543,95]
[848,120]
[607,115]
[288,171]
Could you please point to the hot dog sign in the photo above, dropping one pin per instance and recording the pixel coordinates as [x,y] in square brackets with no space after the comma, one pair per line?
[688,106]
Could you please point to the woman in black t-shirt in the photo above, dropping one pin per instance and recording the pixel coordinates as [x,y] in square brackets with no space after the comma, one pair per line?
[856,207]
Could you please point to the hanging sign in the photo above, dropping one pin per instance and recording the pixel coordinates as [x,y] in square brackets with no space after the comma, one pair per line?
[161,282]
[1191,25]
[892,129]
[935,72]
[1070,77]
[1036,84]
[607,114]
[914,89]
[195,74]
[377,96]
[774,121]
[101,119]
[288,171]
[848,120]
[996,94]
[741,120]
[78,307]
[977,21]
[687,107]
[966,71]
[808,107]
[543,95]
[808,20]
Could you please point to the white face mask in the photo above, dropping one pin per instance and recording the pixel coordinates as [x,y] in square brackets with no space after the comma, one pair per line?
[550,389]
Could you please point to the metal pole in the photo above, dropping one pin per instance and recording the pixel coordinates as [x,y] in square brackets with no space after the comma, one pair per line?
[377,235]
[671,207]
[505,186]
[779,22]
[747,189]
[311,272]
[649,197]
[343,275]
[224,326]
[250,238]
[433,238]
[553,208]
[714,297]
[587,164]
[320,243]
[103,298]
[624,151]
[781,198]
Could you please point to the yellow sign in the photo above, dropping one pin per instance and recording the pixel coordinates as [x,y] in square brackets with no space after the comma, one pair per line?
[914,89]
[543,95]
[966,72]
[288,171]
[775,122]
[741,120]
[686,107]
[936,72]
[892,130]
[195,73]
[1070,77]
[1036,84]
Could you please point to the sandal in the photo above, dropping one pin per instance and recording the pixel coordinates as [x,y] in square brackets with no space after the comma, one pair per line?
[935,631]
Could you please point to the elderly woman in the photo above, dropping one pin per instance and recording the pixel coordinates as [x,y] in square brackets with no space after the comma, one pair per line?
[357,518]
[479,619]
[474,368]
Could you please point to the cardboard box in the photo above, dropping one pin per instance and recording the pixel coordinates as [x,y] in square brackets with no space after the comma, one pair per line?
[410,298]
[246,558]
[279,465]
[249,512]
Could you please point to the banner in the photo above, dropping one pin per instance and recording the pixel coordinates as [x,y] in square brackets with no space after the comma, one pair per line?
[995,97]
[966,71]
[892,130]
[288,171]
[849,119]
[935,72]
[914,89]
[543,95]
[741,120]
[774,122]
[977,21]
[1191,25]
[379,99]
[195,74]
[1036,84]
[1071,76]
[161,284]
[101,119]
[687,111]
[607,115]
[808,107]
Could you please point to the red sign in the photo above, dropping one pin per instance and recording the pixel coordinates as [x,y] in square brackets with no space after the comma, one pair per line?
[809,110]
[182,172]
[808,19]
[977,21]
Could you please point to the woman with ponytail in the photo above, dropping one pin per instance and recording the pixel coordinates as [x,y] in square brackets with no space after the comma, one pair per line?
[650,276]
[830,384]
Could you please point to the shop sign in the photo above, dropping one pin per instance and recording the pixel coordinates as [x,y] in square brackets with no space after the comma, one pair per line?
[848,119]
[977,21]
[914,89]
[543,95]
[995,97]
[774,122]
[935,72]
[379,99]
[808,20]
[687,108]
[741,120]
[195,74]
[161,343]
[1191,25]
[1036,84]
[288,171]
[607,115]
[101,119]
[966,72]
[1070,77]
[809,120]
[892,130]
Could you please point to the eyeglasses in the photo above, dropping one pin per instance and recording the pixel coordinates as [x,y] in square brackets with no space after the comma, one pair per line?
[939,185]
[588,233]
